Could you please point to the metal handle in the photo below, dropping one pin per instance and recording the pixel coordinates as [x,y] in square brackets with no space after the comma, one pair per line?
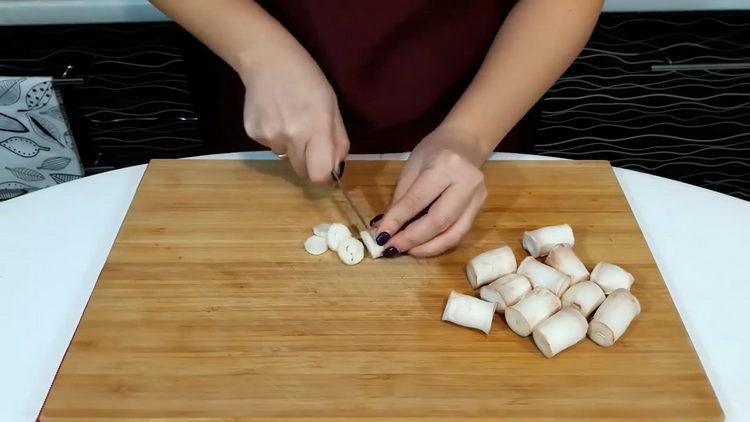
[699,66]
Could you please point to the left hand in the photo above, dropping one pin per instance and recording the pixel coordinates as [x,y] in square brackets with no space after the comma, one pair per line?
[443,173]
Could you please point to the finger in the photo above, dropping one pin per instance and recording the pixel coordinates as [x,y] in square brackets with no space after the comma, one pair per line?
[408,175]
[320,160]
[440,217]
[454,234]
[405,180]
[428,186]
[297,157]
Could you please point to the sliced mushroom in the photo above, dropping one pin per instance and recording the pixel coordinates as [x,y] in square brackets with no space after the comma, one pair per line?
[468,311]
[560,331]
[585,296]
[563,259]
[505,291]
[321,229]
[542,275]
[490,265]
[540,241]
[316,245]
[611,277]
[336,233]
[351,251]
[613,317]
[535,307]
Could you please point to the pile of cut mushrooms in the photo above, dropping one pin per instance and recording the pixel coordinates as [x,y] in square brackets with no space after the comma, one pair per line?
[551,300]
[338,238]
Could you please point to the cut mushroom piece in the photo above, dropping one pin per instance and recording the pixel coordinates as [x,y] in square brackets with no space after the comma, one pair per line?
[540,241]
[535,307]
[490,265]
[611,277]
[613,317]
[560,331]
[542,275]
[375,250]
[469,311]
[563,259]
[336,233]
[351,251]
[505,291]
[321,229]
[585,296]
[316,245]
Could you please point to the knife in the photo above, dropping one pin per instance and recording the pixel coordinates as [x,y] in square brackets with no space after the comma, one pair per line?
[340,185]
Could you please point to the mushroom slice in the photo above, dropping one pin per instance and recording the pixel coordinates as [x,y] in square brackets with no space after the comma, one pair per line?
[469,311]
[535,307]
[563,259]
[321,229]
[316,245]
[336,233]
[585,296]
[560,331]
[540,241]
[542,275]
[375,250]
[505,291]
[490,265]
[611,277]
[351,251]
[613,317]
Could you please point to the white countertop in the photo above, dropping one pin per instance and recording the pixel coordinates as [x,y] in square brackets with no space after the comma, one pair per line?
[54,242]
[44,12]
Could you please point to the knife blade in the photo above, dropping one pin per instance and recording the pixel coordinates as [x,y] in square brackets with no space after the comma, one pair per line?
[348,199]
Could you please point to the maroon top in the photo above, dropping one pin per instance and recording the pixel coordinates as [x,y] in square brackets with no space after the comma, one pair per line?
[397,66]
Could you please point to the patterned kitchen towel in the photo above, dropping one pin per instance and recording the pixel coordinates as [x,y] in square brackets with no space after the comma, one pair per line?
[37,149]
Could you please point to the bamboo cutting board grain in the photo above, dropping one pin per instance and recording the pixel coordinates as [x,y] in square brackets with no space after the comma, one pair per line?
[209,307]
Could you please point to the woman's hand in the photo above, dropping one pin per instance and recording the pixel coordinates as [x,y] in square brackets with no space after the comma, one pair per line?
[291,108]
[443,173]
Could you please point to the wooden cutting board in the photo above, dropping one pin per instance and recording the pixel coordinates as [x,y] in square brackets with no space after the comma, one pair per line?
[208,307]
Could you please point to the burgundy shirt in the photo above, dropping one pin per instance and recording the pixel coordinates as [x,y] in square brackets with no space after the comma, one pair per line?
[397,66]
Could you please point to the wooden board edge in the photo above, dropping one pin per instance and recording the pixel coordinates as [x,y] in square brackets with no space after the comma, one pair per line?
[40,415]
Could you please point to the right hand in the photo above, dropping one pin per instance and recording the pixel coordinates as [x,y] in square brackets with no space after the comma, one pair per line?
[291,108]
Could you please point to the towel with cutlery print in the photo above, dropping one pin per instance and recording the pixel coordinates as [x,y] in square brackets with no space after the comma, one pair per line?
[37,149]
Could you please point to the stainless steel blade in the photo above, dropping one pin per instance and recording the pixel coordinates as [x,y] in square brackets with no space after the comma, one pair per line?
[349,199]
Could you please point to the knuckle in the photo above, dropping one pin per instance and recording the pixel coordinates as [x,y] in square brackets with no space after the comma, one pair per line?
[441,222]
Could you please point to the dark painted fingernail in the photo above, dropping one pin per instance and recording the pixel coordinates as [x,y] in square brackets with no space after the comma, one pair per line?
[382,238]
[375,220]
[390,252]
[342,165]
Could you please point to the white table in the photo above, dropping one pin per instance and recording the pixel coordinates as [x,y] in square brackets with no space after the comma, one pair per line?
[54,242]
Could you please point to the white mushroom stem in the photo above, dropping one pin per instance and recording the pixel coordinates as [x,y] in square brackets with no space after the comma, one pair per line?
[468,311]
[613,317]
[505,291]
[611,277]
[542,275]
[563,259]
[585,296]
[321,229]
[562,330]
[336,233]
[490,265]
[535,307]
[316,245]
[540,241]
[375,250]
